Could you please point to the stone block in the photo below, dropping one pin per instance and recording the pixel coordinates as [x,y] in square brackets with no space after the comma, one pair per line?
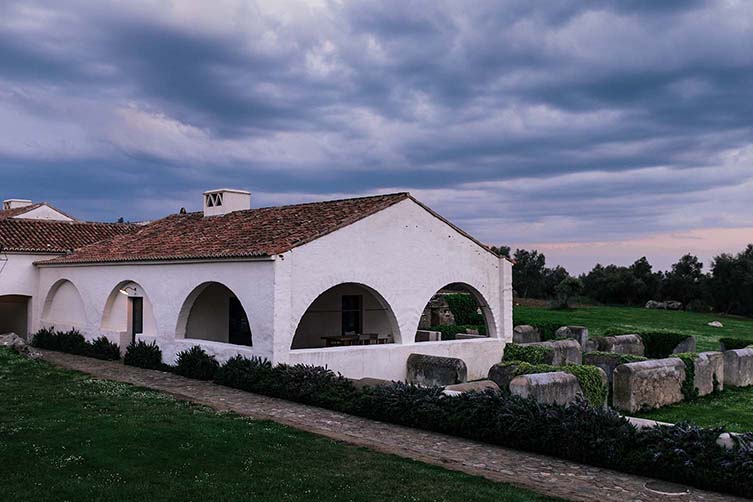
[738,368]
[477,386]
[577,333]
[622,344]
[525,334]
[606,361]
[548,388]
[435,370]
[564,352]
[687,345]
[709,372]
[423,335]
[468,336]
[502,374]
[648,384]
[17,344]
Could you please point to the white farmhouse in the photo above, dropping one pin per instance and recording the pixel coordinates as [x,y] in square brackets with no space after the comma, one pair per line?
[340,284]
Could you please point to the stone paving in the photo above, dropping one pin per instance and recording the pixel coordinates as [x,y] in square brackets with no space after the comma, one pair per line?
[545,475]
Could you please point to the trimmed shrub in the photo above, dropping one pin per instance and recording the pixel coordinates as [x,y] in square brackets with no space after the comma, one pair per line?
[659,344]
[532,354]
[196,363]
[621,358]
[104,349]
[144,355]
[577,432]
[449,332]
[733,343]
[72,341]
[464,308]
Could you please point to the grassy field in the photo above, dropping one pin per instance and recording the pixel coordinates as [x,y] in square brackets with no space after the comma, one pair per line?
[598,319]
[732,409]
[65,436]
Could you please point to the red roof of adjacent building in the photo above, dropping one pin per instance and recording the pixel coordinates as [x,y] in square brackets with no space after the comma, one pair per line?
[53,236]
[20,211]
[248,233]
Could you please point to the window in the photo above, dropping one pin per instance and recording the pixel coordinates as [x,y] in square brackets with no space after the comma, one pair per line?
[239,330]
[352,314]
[137,316]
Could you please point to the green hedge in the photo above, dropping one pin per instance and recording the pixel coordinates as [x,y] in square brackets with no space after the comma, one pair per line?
[689,390]
[531,354]
[658,343]
[622,359]
[577,432]
[734,343]
[449,332]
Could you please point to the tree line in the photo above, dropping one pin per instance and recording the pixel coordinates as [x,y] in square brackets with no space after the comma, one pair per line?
[726,287]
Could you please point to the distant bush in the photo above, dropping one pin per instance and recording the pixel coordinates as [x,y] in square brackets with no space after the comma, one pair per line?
[658,343]
[532,354]
[196,363]
[734,343]
[464,308]
[144,355]
[102,348]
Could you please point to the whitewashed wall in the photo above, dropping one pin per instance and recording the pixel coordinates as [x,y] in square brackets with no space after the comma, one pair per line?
[167,286]
[405,254]
[19,277]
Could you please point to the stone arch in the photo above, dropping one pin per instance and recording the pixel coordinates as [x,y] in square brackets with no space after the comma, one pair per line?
[64,307]
[213,312]
[117,313]
[342,309]
[436,314]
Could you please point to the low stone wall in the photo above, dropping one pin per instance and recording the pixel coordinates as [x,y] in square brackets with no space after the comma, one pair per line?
[549,388]
[738,368]
[436,370]
[648,384]
[709,372]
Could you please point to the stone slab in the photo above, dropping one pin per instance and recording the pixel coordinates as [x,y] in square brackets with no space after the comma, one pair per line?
[525,334]
[623,344]
[738,368]
[477,386]
[436,370]
[648,384]
[577,333]
[709,372]
[547,388]
[564,352]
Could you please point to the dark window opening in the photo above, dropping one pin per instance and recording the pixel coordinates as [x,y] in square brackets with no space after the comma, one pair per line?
[352,314]
[137,316]
[239,330]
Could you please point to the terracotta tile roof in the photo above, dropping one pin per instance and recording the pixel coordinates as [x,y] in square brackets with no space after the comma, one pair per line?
[251,233]
[20,211]
[51,236]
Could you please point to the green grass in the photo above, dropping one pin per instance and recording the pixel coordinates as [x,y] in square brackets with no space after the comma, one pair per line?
[598,319]
[66,436]
[731,409]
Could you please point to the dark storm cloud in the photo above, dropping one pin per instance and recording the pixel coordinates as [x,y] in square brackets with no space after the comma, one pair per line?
[618,118]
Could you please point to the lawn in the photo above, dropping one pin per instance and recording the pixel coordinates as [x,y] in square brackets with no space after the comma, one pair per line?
[598,319]
[66,436]
[731,409]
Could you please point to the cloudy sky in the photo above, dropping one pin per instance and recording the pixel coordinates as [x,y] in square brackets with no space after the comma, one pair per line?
[593,131]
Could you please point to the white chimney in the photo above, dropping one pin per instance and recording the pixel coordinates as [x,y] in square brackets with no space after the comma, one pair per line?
[15,203]
[225,200]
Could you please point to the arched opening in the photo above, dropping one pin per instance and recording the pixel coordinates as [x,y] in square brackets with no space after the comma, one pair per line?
[344,315]
[63,307]
[14,314]
[455,312]
[129,312]
[213,312]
